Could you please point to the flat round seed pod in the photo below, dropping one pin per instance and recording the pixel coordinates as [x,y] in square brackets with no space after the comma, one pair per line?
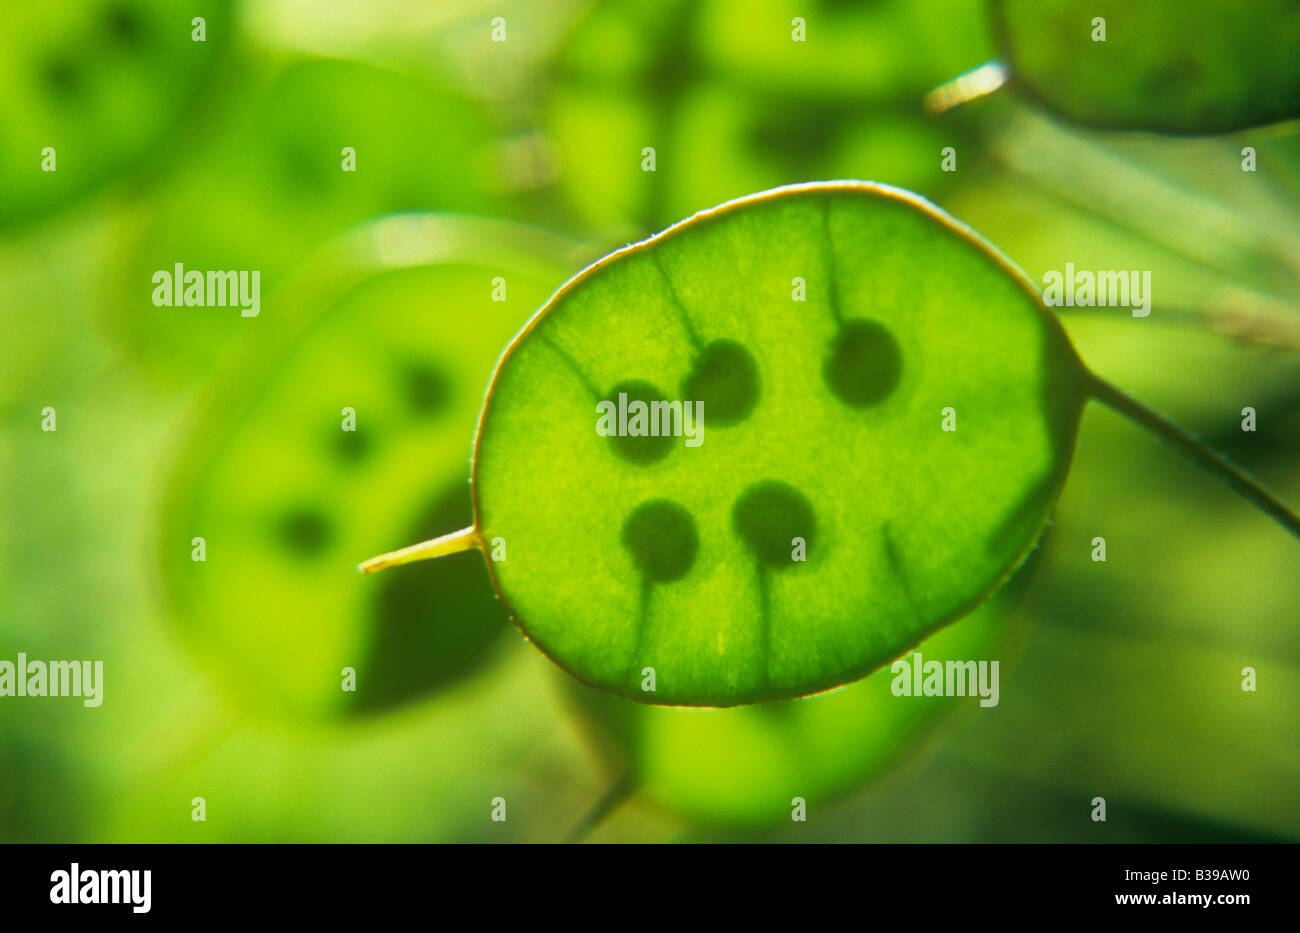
[1196,67]
[888,415]
[98,82]
[379,393]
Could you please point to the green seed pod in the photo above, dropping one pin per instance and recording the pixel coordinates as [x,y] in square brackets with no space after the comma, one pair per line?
[1196,67]
[91,88]
[378,392]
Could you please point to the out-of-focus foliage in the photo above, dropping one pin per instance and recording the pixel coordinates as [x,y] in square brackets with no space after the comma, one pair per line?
[268,185]
[222,155]
[732,104]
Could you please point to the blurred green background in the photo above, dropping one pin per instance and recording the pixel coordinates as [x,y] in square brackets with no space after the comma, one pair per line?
[521,161]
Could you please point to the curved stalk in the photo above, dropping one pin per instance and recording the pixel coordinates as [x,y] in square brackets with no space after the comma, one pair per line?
[1234,476]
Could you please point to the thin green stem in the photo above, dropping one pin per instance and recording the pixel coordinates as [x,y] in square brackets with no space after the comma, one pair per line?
[1207,457]
[609,801]
[452,543]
